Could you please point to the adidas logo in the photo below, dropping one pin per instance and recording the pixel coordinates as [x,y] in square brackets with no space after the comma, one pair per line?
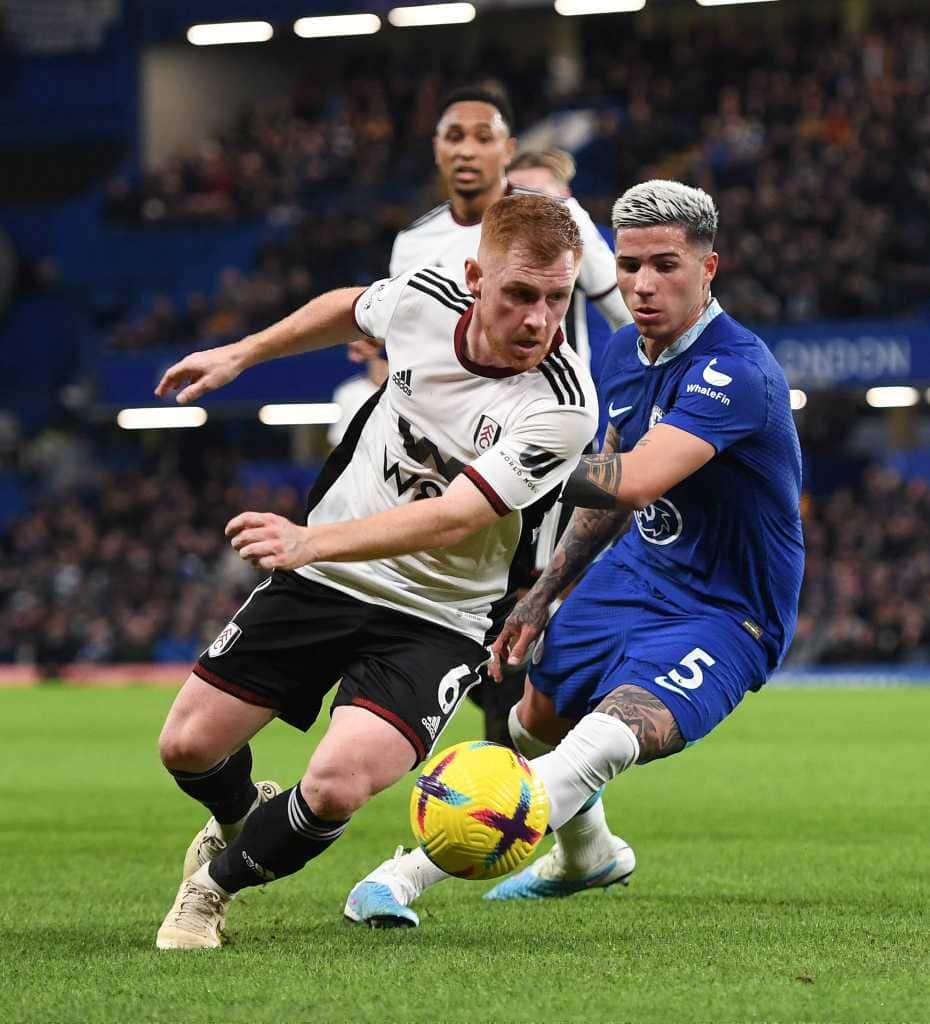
[431,724]
[403,379]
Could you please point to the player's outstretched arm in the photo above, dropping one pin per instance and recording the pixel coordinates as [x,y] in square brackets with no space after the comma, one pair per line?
[326,320]
[270,541]
[632,480]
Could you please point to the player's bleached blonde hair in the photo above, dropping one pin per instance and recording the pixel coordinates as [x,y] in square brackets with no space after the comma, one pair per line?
[557,162]
[667,202]
[543,225]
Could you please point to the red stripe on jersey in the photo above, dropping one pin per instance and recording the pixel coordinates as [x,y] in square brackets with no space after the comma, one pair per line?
[461,221]
[487,490]
[394,719]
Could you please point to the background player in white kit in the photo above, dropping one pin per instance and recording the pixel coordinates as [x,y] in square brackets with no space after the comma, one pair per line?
[391,588]
[473,147]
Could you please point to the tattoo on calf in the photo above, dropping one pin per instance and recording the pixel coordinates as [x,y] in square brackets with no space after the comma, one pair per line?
[648,717]
[595,482]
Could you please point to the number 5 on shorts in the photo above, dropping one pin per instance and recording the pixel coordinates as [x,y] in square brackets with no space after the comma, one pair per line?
[692,662]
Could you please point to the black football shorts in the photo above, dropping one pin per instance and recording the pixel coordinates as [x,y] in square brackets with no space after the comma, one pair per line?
[294,639]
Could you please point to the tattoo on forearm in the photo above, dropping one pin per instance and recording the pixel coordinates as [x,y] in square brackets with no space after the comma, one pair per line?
[648,717]
[603,471]
[588,531]
[595,482]
[586,534]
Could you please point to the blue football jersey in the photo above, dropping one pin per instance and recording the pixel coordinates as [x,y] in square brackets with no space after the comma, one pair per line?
[730,534]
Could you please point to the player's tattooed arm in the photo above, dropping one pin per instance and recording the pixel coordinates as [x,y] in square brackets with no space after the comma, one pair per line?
[595,482]
[588,531]
[648,717]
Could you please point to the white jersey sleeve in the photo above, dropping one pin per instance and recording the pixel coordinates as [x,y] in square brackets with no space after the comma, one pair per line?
[537,455]
[598,275]
[374,309]
[399,259]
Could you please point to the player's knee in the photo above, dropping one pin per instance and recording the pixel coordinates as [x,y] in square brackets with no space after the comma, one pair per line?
[334,792]
[185,749]
[535,714]
[523,739]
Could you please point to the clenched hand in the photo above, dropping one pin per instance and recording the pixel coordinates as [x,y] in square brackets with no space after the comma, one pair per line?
[269,541]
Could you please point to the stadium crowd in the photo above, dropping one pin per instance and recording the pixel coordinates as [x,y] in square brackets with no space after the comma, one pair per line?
[819,157]
[137,569]
[867,582]
[817,147]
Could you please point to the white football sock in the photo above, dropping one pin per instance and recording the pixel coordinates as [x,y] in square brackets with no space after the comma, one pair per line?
[595,751]
[416,873]
[585,840]
[205,880]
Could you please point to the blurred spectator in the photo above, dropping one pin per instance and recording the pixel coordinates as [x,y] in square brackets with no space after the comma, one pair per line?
[136,570]
[867,584]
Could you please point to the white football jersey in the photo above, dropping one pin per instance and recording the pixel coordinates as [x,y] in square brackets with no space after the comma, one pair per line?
[438,239]
[517,436]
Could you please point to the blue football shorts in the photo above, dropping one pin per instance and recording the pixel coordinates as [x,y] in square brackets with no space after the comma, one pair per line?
[616,628]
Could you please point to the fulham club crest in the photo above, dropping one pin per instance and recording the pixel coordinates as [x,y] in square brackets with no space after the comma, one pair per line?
[486,434]
[229,634]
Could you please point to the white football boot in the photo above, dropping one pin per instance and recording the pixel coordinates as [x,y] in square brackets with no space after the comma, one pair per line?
[548,877]
[380,898]
[195,920]
[209,841]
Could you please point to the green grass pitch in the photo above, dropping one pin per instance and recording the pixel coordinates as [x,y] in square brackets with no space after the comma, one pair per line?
[784,875]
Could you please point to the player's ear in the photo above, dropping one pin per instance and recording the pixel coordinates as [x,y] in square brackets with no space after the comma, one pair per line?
[711,261]
[511,148]
[473,276]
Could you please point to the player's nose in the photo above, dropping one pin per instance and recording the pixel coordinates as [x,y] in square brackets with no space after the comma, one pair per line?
[644,283]
[535,317]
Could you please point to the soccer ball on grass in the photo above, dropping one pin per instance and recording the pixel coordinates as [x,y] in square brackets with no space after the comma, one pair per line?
[478,810]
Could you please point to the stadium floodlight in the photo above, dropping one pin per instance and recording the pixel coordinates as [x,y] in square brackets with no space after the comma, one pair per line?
[728,3]
[161,418]
[431,14]
[230,32]
[798,399]
[337,25]
[569,8]
[295,414]
[892,397]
